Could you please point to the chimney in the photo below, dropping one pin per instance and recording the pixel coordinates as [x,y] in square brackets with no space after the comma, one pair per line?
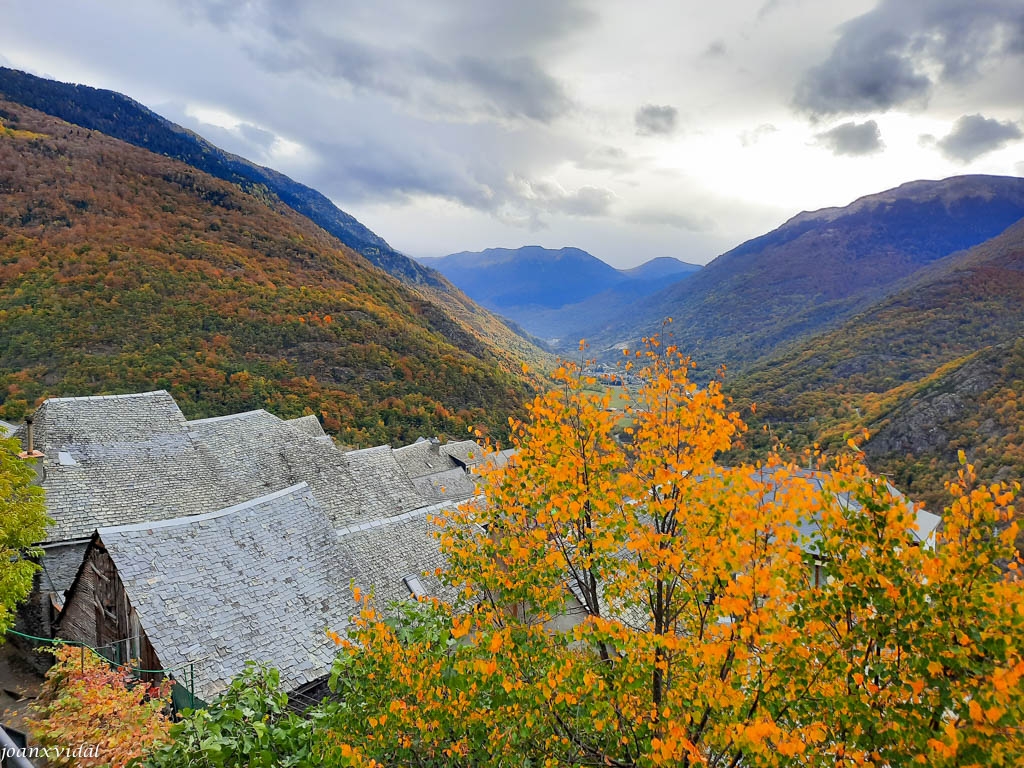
[30,451]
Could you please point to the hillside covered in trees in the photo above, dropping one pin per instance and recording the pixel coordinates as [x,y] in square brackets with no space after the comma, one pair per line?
[124,270]
[936,367]
[121,117]
[820,268]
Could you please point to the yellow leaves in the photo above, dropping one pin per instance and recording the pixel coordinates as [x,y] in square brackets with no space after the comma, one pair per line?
[664,751]
[396,706]
[461,626]
[993,714]
[662,526]
[961,457]
[485,667]
[790,747]
[977,715]
[497,639]
[942,749]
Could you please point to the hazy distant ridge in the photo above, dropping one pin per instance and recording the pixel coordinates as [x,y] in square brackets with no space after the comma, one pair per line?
[553,292]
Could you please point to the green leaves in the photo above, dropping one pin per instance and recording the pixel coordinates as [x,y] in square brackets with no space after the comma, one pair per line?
[249,724]
[23,522]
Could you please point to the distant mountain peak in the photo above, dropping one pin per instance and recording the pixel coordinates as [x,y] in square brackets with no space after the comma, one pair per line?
[550,291]
[948,189]
[820,267]
[660,267]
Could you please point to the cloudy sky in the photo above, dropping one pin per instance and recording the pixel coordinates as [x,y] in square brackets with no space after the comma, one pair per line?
[630,129]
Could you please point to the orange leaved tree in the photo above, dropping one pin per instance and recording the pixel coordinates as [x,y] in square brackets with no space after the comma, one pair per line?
[94,714]
[628,601]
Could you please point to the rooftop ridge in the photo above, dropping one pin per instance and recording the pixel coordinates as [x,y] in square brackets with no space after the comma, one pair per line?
[242,415]
[83,398]
[188,519]
[386,446]
[418,512]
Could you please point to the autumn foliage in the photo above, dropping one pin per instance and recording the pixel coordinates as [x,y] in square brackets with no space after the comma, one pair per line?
[125,271]
[87,702]
[634,603]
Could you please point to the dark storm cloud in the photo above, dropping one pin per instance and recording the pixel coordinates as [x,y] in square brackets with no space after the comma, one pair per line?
[515,87]
[894,55]
[974,135]
[853,139]
[450,100]
[654,119]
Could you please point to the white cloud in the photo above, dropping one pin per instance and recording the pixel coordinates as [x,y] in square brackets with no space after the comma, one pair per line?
[449,126]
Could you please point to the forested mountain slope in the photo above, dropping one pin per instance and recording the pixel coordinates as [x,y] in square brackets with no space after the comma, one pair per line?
[933,368]
[123,270]
[121,117]
[820,268]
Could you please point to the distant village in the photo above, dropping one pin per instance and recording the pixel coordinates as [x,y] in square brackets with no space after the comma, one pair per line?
[191,547]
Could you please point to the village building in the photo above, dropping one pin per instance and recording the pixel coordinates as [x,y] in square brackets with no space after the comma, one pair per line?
[201,595]
[203,544]
[117,460]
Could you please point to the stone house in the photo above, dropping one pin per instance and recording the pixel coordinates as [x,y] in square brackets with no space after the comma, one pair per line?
[117,460]
[203,594]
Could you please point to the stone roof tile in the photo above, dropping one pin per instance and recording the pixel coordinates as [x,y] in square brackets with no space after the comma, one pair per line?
[260,581]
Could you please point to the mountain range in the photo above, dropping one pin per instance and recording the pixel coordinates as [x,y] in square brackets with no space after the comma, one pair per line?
[902,313]
[819,268]
[124,270]
[135,255]
[934,367]
[555,293]
[121,117]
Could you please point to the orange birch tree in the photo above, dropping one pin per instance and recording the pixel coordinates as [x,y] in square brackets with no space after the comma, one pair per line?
[634,603]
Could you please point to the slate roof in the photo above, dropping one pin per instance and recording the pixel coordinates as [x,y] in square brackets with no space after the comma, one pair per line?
[131,458]
[122,458]
[496,459]
[311,426]
[925,522]
[257,581]
[424,457]
[6,429]
[454,484]
[125,459]
[468,453]
[385,551]
[383,488]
